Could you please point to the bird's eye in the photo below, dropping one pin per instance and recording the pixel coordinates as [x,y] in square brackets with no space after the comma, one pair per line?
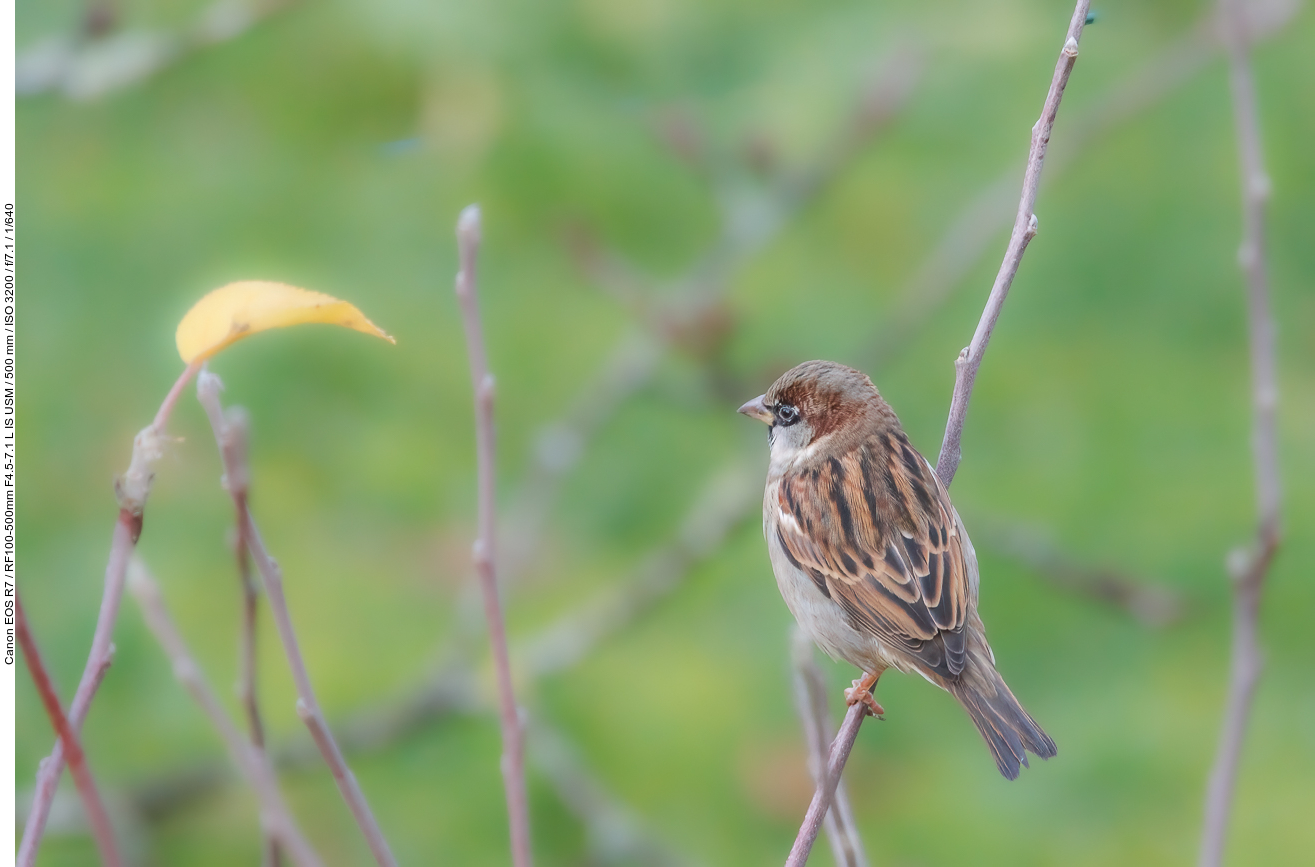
[786,415]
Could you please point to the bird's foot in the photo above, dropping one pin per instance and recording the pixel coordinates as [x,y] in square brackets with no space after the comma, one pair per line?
[861,693]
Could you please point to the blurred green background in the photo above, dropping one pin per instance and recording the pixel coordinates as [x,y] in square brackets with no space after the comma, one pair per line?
[331,145]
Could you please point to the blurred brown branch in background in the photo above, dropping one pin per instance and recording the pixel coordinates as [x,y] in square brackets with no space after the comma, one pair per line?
[100,58]
[966,372]
[692,317]
[275,817]
[811,704]
[1153,604]
[1248,568]
[232,452]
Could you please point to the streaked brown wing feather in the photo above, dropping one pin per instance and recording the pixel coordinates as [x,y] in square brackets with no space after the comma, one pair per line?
[876,532]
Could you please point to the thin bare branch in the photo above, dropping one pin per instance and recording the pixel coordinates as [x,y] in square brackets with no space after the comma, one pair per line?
[513,738]
[986,213]
[275,817]
[132,490]
[1248,568]
[236,474]
[235,440]
[101,829]
[810,704]
[969,360]
[1025,227]
[826,787]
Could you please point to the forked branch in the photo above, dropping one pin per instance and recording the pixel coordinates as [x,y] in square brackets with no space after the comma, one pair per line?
[236,474]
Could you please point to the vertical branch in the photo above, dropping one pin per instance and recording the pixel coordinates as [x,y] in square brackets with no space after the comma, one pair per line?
[513,738]
[1025,227]
[235,441]
[308,707]
[101,829]
[132,490]
[1248,568]
[970,359]
[275,818]
[810,703]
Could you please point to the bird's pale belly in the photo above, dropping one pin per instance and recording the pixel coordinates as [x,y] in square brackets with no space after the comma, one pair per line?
[824,621]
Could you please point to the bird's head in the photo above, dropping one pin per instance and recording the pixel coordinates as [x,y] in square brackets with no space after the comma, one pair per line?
[815,401]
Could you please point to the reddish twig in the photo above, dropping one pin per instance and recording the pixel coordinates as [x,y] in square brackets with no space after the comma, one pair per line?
[1248,568]
[308,707]
[276,818]
[513,737]
[132,489]
[1025,224]
[966,372]
[101,829]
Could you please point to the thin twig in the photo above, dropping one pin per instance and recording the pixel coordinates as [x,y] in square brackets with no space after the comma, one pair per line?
[513,738]
[276,819]
[235,440]
[1025,226]
[810,703]
[969,361]
[1248,568]
[981,217]
[101,829]
[308,707]
[132,489]
[826,787]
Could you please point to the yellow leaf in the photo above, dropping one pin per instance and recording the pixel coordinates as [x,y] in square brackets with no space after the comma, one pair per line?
[232,312]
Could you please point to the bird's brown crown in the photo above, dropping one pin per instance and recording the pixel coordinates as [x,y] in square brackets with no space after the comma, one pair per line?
[829,396]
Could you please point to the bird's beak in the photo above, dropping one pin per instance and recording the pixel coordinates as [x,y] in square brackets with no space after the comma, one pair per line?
[757,409]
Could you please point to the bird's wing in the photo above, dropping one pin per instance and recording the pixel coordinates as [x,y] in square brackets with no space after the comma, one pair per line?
[876,532]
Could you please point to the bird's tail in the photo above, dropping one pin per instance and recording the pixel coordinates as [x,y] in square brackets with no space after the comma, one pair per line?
[1008,729]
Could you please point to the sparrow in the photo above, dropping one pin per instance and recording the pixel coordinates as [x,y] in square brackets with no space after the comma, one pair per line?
[870,555]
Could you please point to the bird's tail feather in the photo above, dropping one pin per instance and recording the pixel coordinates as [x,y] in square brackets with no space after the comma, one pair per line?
[1008,729]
